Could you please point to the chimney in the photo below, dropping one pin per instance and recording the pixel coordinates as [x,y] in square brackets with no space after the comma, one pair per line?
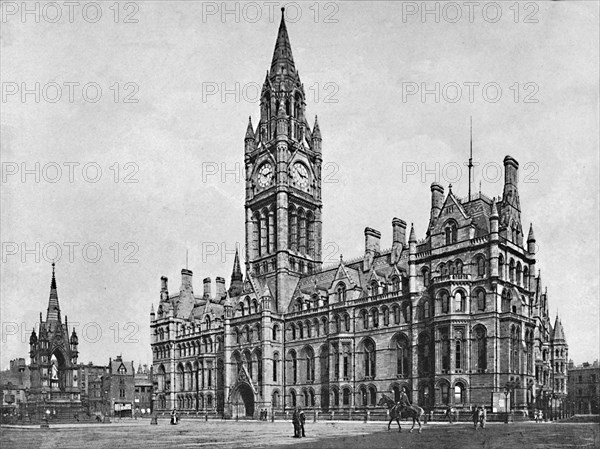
[398,239]
[206,283]
[398,231]
[186,279]
[164,289]
[437,199]
[511,171]
[510,195]
[372,239]
[220,288]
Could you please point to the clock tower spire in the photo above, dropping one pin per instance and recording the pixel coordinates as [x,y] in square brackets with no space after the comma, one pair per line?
[283,180]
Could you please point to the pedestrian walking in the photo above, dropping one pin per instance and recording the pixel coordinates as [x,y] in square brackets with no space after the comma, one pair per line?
[302,420]
[482,416]
[475,417]
[296,422]
[449,412]
[174,417]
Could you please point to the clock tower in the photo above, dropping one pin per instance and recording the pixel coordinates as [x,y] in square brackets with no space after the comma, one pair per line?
[283,181]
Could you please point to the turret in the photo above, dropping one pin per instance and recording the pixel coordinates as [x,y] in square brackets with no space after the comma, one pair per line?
[412,260]
[437,200]
[250,138]
[237,281]
[316,136]
[152,313]
[73,342]
[531,246]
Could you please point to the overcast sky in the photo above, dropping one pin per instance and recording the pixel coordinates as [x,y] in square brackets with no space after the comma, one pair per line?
[161,120]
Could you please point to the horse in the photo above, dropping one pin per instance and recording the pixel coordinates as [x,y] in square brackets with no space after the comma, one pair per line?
[413,411]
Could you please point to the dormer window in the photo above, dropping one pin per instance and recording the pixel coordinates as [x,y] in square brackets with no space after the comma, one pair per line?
[451,232]
[341,292]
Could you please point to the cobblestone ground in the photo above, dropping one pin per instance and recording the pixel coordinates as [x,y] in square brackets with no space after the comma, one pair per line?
[200,434]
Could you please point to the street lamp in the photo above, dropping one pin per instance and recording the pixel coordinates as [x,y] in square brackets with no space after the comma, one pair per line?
[153,419]
[508,389]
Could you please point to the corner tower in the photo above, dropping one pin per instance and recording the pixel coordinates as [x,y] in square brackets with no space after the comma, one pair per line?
[283,180]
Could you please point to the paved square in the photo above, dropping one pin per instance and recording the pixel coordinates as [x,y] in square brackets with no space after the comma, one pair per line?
[216,434]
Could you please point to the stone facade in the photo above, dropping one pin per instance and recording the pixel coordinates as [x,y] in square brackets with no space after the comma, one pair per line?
[459,317]
[53,368]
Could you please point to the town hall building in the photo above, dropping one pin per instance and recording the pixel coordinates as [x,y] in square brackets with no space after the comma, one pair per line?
[458,317]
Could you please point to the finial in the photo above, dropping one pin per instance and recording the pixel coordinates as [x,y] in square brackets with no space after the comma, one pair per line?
[449,188]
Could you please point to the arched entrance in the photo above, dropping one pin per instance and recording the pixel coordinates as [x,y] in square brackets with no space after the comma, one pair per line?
[242,400]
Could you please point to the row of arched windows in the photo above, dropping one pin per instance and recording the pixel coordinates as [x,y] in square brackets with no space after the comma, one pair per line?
[248,334]
[190,377]
[247,306]
[514,272]
[301,230]
[264,231]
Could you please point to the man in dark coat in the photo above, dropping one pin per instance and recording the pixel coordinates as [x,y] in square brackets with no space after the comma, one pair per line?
[302,420]
[296,422]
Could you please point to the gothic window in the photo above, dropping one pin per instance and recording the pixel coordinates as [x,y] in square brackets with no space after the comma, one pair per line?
[347,322]
[275,401]
[346,362]
[292,229]
[396,283]
[365,318]
[374,288]
[511,270]
[272,227]
[459,391]
[458,354]
[324,364]
[275,332]
[396,311]
[445,299]
[501,266]
[459,267]
[300,331]
[459,301]
[275,366]
[336,362]
[310,365]
[294,361]
[506,300]
[375,317]
[341,292]
[519,272]
[426,311]
[451,232]
[325,326]
[369,359]
[336,397]
[480,349]
[424,354]
[308,333]
[293,331]
[337,324]
[302,231]
[514,349]
[310,230]
[480,300]
[386,316]
[480,261]
[346,397]
[406,312]
[363,395]
[445,350]
[402,356]
[293,397]
[373,396]
[445,390]
[425,273]
[526,277]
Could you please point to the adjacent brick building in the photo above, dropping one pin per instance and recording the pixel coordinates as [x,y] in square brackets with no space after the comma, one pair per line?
[584,388]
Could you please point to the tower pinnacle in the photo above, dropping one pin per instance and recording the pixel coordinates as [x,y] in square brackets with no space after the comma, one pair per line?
[283,61]
[53,312]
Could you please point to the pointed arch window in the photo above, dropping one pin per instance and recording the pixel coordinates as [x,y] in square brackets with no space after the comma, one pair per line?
[369,359]
[480,350]
[445,299]
[341,292]
[365,319]
[402,357]
[481,300]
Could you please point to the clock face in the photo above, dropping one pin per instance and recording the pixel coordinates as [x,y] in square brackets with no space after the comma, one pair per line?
[300,175]
[265,174]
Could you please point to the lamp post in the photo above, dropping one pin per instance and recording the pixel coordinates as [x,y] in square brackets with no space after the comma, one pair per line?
[508,389]
[426,396]
[153,419]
